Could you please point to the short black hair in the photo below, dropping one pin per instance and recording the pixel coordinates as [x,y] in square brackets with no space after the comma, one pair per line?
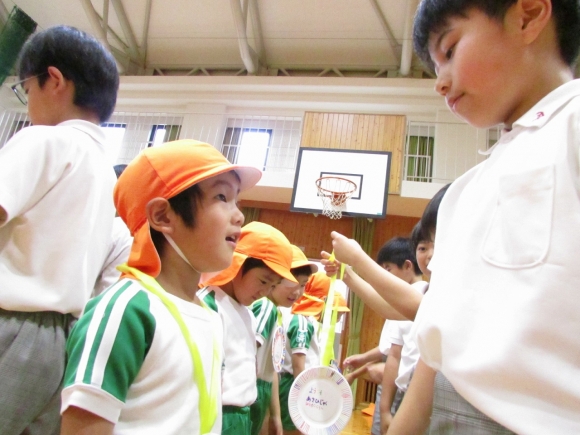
[185,204]
[119,169]
[397,251]
[252,263]
[81,59]
[417,236]
[432,15]
[429,219]
[301,271]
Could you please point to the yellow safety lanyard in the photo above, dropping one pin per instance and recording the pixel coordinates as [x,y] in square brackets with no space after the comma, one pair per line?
[329,319]
[208,408]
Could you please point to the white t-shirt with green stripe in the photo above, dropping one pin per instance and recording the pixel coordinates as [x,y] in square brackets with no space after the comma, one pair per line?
[129,363]
[301,337]
[239,374]
[266,314]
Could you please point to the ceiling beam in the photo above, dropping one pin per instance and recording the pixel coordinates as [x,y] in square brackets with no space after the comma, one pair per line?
[145,35]
[101,34]
[127,31]
[257,30]
[249,56]
[393,44]
[407,50]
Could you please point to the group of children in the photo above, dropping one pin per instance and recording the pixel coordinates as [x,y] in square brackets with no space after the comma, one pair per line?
[150,352]
[493,347]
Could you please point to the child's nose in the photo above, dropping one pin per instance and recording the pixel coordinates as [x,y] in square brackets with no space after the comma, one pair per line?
[442,83]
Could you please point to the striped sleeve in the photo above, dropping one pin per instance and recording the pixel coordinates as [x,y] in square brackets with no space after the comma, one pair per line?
[266,316]
[106,350]
[300,333]
[208,297]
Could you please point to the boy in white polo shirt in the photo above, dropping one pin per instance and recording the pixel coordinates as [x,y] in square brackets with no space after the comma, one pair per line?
[262,258]
[403,353]
[500,320]
[145,357]
[56,217]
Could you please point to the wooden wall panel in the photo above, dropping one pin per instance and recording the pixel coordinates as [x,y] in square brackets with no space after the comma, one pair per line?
[305,230]
[358,132]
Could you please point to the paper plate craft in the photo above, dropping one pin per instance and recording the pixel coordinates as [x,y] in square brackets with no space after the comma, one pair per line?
[320,401]
[278,349]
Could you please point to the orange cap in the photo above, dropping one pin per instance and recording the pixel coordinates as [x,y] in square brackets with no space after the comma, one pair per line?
[299,259]
[311,303]
[263,242]
[163,172]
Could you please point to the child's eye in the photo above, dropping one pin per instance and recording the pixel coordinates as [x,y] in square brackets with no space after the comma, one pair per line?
[222,197]
[449,52]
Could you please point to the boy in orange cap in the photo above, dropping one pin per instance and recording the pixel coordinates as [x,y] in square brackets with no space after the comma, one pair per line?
[269,335]
[145,357]
[262,258]
[301,324]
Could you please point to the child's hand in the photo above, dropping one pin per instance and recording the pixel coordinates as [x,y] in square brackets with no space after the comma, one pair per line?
[345,250]
[353,362]
[330,267]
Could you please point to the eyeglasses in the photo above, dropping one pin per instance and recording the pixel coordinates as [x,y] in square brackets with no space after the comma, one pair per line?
[18,89]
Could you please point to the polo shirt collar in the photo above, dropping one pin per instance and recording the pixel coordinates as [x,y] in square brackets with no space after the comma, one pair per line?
[87,127]
[543,111]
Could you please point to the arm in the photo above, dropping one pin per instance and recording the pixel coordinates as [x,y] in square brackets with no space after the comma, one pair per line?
[298,363]
[413,416]
[77,421]
[370,296]
[399,294]
[389,386]
[275,421]
[364,364]
[375,372]
[358,360]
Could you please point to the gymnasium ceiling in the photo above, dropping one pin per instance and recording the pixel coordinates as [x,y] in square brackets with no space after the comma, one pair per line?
[326,38]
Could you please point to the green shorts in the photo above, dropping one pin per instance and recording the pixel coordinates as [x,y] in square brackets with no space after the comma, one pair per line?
[236,420]
[286,381]
[260,407]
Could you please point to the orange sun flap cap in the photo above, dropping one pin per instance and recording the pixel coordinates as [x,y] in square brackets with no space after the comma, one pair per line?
[263,242]
[163,172]
[311,303]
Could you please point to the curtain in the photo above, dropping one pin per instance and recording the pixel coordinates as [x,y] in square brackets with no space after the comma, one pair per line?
[363,233]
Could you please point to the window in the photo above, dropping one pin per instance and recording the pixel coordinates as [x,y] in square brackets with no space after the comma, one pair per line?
[247,146]
[493,135]
[161,133]
[114,132]
[17,126]
[419,152]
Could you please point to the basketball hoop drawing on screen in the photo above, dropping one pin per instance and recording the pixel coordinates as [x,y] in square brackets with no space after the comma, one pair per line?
[334,192]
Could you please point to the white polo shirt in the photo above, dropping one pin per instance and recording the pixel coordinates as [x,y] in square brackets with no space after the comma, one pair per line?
[501,319]
[402,333]
[239,375]
[56,186]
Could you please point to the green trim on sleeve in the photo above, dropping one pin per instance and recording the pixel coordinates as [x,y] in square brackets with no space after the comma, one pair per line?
[266,316]
[111,357]
[300,332]
[208,297]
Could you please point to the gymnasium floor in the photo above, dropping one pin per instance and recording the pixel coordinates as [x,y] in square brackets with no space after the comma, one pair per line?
[359,424]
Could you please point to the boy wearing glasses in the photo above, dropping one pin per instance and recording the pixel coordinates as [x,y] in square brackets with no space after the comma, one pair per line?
[56,217]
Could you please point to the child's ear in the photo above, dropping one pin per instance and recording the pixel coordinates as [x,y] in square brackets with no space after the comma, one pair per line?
[533,17]
[408,265]
[58,81]
[160,215]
